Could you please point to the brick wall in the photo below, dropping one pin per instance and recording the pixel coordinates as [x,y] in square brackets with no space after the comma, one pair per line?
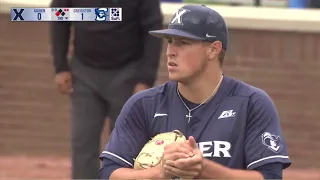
[34,117]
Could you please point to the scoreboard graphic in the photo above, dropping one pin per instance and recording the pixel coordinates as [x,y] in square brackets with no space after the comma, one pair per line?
[66,14]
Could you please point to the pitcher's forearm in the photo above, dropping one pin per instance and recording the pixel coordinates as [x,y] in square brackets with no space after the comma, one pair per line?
[216,171]
[127,173]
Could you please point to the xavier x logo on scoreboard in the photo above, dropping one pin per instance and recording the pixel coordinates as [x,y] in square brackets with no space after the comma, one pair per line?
[16,14]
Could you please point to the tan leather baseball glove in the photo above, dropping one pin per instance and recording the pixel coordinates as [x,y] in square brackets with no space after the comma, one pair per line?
[151,153]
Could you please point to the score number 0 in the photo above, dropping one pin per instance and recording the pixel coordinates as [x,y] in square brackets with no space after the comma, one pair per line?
[39,16]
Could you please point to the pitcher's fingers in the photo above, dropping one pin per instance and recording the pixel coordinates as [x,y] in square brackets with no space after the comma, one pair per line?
[185,174]
[180,149]
[174,156]
[178,164]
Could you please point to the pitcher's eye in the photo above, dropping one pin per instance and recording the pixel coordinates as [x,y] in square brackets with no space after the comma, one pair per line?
[182,43]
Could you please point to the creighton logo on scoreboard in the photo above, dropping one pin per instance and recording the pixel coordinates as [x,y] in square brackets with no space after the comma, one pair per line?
[102,14]
[60,14]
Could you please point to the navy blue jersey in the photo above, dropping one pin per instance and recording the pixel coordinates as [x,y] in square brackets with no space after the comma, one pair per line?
[238,128]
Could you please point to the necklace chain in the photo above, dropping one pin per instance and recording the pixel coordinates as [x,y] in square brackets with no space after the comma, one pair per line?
[190,110]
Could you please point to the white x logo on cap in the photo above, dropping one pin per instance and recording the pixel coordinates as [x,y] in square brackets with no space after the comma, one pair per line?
[177,18]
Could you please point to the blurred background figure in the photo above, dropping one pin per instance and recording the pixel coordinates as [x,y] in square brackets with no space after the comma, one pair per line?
[110,62]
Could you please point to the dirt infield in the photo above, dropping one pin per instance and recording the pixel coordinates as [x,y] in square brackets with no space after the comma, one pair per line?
[59,168]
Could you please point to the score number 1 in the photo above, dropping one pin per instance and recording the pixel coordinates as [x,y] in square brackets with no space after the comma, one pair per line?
[82,16]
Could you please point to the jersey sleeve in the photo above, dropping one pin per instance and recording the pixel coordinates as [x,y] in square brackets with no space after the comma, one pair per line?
[264,142]
[129,135]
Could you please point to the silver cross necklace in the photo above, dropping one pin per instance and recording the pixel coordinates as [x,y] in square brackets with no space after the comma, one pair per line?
[190,110]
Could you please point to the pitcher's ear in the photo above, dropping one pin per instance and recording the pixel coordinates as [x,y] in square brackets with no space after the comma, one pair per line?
[214,49]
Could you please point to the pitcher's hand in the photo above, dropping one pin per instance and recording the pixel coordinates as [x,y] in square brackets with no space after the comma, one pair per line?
[186,168]
[172,153]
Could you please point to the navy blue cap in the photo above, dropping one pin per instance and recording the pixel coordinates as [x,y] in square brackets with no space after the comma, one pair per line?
[196,22]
